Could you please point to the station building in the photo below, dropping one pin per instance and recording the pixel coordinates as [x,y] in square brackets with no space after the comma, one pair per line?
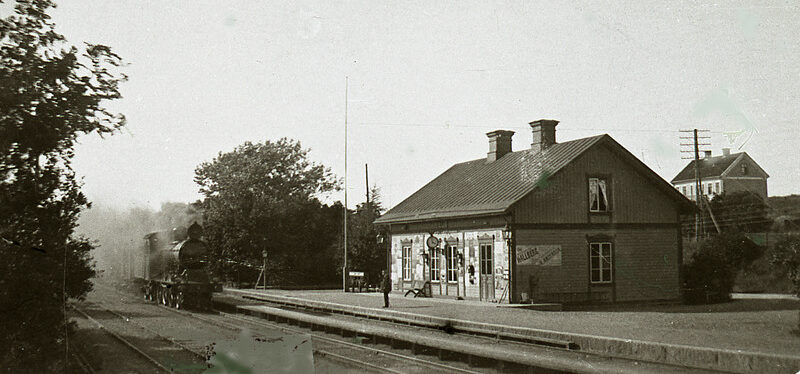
[572,222]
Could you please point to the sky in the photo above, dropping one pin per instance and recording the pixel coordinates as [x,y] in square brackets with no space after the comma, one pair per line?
[425,81]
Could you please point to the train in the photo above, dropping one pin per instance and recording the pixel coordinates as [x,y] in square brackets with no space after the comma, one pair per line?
[173,268]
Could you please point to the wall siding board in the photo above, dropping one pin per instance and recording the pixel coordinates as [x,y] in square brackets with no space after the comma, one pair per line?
[564,197]
[645,265]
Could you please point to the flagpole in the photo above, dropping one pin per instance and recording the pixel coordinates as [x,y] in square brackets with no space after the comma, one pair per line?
[344,264]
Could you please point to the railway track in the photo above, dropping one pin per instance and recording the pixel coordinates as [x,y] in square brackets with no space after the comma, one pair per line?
[162,354]
[351,352]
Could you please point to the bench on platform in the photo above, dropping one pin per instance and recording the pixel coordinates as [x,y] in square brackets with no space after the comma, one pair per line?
[419,289]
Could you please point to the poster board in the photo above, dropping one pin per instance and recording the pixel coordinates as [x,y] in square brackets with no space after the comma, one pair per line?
[539,255]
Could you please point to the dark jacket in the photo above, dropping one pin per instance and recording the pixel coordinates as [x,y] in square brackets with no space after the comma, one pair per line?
[386,284]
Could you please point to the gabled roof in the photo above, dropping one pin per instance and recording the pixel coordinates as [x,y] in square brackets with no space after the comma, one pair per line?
[711,167]
[478,188]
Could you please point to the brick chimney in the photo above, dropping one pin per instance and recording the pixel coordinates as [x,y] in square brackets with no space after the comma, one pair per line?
[726,151]
[708,154]
[544,134]
[499,144]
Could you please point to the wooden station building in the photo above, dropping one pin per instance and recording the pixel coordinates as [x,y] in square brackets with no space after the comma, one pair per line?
[573,222]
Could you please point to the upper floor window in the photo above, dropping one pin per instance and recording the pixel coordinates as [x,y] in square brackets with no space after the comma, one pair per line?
[598,195]
[683,190]
[744,168]
[709,189]
[716,187]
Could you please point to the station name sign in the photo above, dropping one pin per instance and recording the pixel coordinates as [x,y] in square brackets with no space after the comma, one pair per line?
[539,255]
[356,273]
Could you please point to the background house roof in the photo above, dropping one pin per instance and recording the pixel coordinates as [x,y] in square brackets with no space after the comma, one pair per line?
[709,167]
[479,188]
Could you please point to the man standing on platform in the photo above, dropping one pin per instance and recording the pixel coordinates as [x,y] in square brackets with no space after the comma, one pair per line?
[386,287]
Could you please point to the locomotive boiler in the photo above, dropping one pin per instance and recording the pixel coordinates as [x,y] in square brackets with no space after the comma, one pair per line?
[174,268]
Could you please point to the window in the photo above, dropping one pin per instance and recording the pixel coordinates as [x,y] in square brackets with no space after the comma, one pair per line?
[600,262]
[436,274]
[598,195]
[452,263]
[407,263]
[683,189]
[744,168]
[709,189]
[716,187]
[486,259]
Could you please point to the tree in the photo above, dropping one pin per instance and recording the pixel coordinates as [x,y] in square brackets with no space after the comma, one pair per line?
[786,254]
[713,268]
[50,93]
[738,211]
[363,252]
[263,197]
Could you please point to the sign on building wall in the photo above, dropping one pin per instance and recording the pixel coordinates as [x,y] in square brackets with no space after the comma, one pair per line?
[539,255]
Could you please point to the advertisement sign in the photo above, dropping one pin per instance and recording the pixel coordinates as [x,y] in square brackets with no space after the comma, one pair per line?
[539,255]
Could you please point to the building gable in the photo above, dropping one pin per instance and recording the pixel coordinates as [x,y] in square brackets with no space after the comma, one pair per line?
[744,166]
[636,193]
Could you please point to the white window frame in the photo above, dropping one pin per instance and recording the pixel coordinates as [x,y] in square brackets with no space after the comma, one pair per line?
[407,263]
[605,261]
[436,264]
[486,262]
[598,187]
[452,263]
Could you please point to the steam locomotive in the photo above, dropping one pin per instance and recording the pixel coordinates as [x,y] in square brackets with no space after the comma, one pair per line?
[174,268]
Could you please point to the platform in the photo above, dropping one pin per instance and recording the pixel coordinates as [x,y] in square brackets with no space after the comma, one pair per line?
[666,336]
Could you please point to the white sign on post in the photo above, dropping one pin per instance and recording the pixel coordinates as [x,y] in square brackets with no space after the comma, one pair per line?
[539,255]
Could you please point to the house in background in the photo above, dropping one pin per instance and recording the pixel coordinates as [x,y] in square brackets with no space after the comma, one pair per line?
[726,173]
[572,222]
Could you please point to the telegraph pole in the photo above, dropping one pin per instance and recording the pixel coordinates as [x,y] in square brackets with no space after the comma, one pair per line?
[698,189]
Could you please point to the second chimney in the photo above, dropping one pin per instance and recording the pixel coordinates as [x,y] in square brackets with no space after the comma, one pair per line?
[708,154]
[544,134]
[726,151]
[499,144]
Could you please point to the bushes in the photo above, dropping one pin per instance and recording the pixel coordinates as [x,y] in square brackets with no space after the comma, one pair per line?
[711,274]
[786,254]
